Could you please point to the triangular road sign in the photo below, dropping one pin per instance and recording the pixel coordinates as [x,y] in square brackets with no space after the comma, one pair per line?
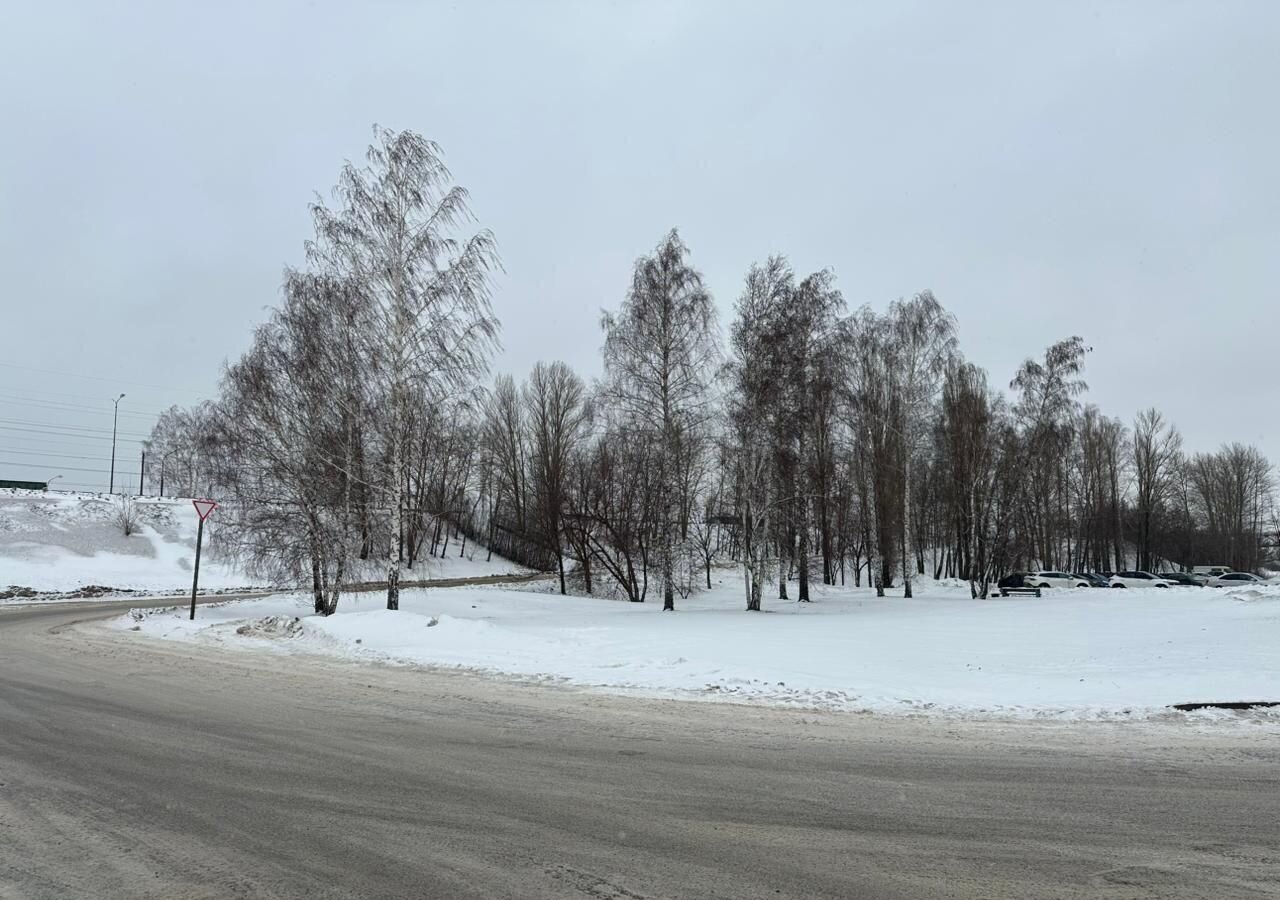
[204,508]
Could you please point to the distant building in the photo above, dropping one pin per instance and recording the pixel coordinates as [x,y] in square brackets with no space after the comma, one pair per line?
[25,485]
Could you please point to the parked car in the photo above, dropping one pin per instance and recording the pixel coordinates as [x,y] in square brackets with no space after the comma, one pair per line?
[1055,580]
[1013,580]
[1210,571]
[1137,580]
[1235,579]
[1094,579]
[1184,579]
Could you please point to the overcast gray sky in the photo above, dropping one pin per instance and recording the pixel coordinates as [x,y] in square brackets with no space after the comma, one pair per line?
[1107,170]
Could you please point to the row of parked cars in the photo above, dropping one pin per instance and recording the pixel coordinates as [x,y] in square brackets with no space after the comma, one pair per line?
[1214,576]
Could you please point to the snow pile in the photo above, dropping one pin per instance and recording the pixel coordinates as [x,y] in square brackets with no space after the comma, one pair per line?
[1087,653]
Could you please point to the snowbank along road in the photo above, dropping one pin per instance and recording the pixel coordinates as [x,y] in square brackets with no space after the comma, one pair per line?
[1086,654]
[149,769]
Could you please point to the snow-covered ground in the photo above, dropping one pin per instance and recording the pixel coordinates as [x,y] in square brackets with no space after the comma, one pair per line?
[473,562]
[1071,654]
[58,542]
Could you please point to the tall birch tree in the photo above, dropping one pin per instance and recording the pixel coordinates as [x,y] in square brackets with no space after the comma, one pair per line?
[399,231]
[660,352]
[924,340]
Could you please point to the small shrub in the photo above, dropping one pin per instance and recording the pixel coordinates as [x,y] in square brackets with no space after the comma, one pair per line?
[126,515]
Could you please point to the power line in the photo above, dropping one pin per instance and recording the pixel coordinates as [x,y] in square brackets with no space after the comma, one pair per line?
[63,434]
[46,454]
[65,441]
[45,392]
[42,393]
[73,435]
[72,407]
[27,465]
[110,380]
[71,428]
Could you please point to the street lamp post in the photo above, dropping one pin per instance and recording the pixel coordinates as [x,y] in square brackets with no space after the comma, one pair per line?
[52,479]
[111,485]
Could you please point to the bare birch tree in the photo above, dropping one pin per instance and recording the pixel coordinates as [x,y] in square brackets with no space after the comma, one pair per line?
[758,413]
[1157,451]
[395,232]
[555,401]
[923,334]
[660,352]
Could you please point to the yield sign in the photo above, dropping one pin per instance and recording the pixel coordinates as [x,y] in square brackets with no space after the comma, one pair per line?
[204,508]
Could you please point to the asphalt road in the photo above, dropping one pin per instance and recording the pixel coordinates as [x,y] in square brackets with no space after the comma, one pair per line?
[137,768]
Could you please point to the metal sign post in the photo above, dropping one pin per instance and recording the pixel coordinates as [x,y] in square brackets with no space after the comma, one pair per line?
[204,508]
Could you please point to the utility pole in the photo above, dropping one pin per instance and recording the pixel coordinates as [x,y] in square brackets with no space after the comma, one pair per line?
[111,485]
[142,472]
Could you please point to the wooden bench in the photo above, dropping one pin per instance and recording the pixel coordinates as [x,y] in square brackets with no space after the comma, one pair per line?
[1020,592]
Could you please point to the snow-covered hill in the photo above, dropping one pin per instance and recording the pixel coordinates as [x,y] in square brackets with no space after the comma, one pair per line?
[60,542]
[63,541]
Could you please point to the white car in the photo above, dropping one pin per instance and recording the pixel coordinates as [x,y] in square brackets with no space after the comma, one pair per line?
[1235,579]
[1054,580]
[1137,580]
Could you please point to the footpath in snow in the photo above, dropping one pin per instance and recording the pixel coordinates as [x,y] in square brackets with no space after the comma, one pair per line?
[1072,654]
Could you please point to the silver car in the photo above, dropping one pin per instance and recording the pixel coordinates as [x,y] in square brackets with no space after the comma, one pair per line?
[1235,579]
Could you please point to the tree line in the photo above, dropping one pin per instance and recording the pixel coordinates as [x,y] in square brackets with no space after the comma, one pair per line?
[361,428]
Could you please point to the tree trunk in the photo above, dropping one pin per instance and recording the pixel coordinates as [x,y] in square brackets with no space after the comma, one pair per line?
[397,525]
[317,583]
[747,560]
[824,513]
[666,546]
[782,576]
[493,528]
[804,560]
[907,537]
[798,540]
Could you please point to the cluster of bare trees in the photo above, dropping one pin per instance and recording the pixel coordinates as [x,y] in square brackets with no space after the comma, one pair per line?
[609,478]
[818,444]
[346,432]
[842,447]
[173,466]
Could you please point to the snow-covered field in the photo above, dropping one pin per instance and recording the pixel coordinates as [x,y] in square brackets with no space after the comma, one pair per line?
[58,542]
[1071,654]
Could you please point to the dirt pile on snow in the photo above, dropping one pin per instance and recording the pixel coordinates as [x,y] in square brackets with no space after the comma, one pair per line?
[276,627]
